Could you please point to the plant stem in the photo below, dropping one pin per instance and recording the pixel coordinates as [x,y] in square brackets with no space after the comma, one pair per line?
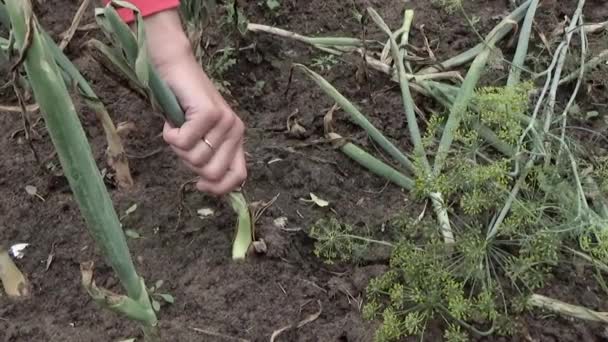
[549,109]
[566,309]
[74,150]
[586,66]
[408,19]
[374,63]
[359,118]
[522,46]
[497,34]
[328,41]
[116,156]
[364,239]
[602,266]
[460,106]
[406,96]
[412,124]
[372,163]
[465,93]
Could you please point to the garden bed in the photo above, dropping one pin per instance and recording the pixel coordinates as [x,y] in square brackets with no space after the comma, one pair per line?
[217,299]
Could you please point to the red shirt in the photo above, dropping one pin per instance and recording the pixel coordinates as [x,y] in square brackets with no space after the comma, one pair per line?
[147,7]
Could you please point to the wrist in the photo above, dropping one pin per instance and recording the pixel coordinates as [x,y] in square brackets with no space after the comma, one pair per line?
[167,42]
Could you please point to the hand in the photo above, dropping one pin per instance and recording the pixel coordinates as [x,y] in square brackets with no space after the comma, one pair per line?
[210,142]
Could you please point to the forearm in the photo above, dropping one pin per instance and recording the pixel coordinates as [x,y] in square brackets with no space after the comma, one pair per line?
[147,7]
[165,37]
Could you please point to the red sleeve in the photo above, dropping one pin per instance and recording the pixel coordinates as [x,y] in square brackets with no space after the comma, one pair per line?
[147,7]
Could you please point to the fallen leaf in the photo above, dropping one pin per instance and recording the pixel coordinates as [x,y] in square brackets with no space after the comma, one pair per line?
[280,222]
[155,305]
[131,209]
[275,160]
[260,246]
[124,128]
[17,250]
[167,297]
[297,131]
[31,190]
[132,234]
[205,213]
[318,201]
[49,261]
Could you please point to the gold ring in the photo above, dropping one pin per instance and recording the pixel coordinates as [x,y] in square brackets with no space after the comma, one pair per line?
[208,144]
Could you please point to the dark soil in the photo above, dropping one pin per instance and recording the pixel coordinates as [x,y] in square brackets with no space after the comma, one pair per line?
[252,299]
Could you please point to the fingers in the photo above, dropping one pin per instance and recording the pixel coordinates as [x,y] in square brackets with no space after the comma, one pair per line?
[223,158]
[223,130]
[231,180]
[197,157]
[192,131]
[213,157]
[188,141]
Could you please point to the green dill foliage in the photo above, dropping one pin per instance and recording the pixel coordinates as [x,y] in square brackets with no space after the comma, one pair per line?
[595,242]
[218,66]
[516,200]
[500,109]
[405,227]
[450,6]
[600,173]
[325,62]
[455,334]
[223,63]
[537,256]
[482,185]
[525,218]
[235,17]
[197,13]
[425,184]
[469,286]
[478,187]
[429,140]
[335,241]
[421,286]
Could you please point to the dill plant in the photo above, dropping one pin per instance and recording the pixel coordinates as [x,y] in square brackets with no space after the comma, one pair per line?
[508,175]
[465,284]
